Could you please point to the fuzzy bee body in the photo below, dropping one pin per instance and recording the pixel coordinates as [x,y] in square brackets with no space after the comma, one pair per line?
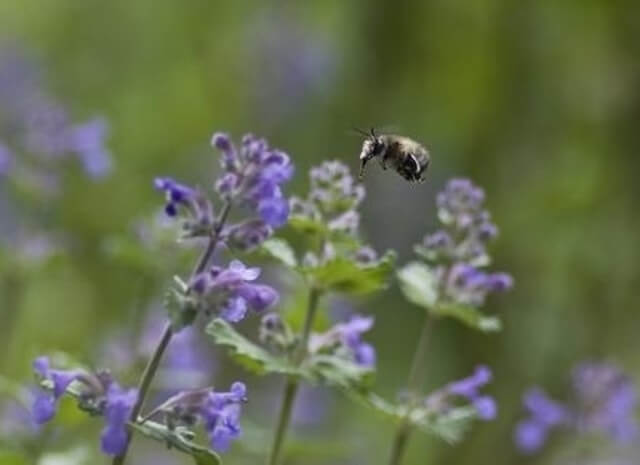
[405,156]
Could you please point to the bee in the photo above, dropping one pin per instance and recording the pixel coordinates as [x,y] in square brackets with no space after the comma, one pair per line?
[407,157]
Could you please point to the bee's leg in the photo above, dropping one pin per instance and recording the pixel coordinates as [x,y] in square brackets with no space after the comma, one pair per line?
[383,160]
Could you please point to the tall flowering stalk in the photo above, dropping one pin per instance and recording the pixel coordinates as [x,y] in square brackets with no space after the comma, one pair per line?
[252,179]
[333,260]
[450,281]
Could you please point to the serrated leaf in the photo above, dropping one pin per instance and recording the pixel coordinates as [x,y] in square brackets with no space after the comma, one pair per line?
[250,355]
[470,316]
[419,284]
[173,438]
[280,250]
[340,372]
[344,275]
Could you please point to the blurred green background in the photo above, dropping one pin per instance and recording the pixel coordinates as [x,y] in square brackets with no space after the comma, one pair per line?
[538,102]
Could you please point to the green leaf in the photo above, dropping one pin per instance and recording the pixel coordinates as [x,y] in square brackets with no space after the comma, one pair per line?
[470,316]
[340,372]
[450,426]
[344,275]
[307,226]
[280,250]
[250,355]
[178,439]
[419,284]
[182,312]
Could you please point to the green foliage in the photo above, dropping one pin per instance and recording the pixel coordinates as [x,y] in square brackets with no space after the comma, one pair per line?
[179,439]
[344,275]
[250,355]
[280,250]
[419,285]
[315,368]
[180,307]
[450,426]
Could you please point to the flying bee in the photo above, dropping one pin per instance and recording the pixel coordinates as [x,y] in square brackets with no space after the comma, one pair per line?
[406,156]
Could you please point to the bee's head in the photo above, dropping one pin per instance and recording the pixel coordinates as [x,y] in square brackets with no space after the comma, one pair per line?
[371,147]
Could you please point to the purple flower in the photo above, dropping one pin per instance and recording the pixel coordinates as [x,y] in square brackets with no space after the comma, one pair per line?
[119,403]
[179,195]
[219,412]
[469,389]
[468,285]
[249,234]
[607,399]
[466,230]
[346,339]
[530,436]
[87,140]
[230,291]
[254,177]
[6,159]
[605,402]
[45,403]
[17,420]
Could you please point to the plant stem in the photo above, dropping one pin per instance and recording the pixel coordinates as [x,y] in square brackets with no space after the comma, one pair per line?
[291,388]
[414,386]
[152,366]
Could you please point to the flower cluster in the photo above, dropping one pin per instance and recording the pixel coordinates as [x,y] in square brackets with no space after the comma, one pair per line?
[604,401]
[459,250]
[98,394]
[468,389]
[219,412]
[345,340]
[39,127]
[332,205]
[333,198]
[230,291]
[252,176]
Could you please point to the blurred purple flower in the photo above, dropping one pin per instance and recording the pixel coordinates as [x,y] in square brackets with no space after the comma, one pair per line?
[6,159]
[45,403]
[469,389]
[605,402]
[608,400]
[17,420]
[230,291]
[346,339]
[33,122]
[119,403]
[88,141]
[218,411]
[294,64]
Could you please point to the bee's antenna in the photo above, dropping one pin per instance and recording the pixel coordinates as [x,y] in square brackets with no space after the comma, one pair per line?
[360,131]
[373,133]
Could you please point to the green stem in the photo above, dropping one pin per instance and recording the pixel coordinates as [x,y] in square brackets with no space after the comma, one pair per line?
[291,388]
[414,386]
[154,362]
